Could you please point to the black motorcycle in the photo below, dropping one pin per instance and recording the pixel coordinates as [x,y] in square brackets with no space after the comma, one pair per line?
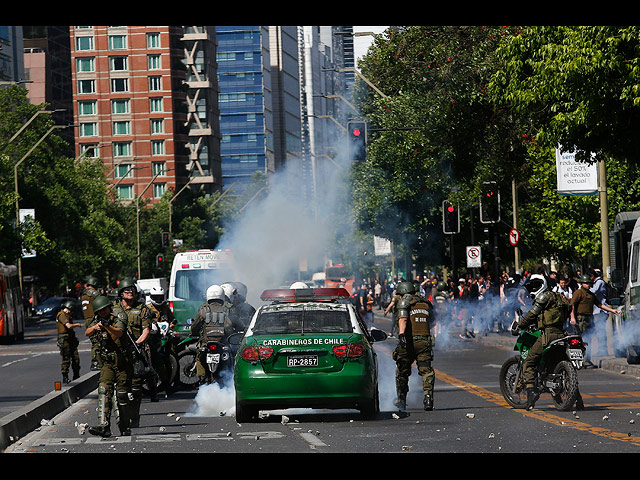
[165,359]
[556,373]
[216,358]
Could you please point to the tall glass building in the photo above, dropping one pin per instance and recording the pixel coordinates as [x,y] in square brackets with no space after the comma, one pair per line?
[244,102]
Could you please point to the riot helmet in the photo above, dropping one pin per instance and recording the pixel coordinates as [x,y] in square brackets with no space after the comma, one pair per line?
[230,292]
[241,290]
[584,278]
[405,287]
[127,283]
[296,285]
[442,286]
[156,295]
[216,298]
[100,302]
[70,304]
[91,280]
[536,285]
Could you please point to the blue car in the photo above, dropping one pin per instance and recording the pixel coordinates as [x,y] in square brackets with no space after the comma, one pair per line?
[48,309]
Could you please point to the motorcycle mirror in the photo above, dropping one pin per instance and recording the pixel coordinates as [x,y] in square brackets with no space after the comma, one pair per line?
[189,321]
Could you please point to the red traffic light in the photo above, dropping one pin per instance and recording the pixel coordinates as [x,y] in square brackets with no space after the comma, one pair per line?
[356,132]
[451,209]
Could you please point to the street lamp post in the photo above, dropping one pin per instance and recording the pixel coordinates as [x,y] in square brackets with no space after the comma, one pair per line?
[163,171]
[15,183]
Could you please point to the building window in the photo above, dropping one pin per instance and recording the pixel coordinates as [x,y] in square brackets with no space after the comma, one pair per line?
[119,85]
[120,105]
[88,129]
[89,150]
[123,170]
[121,128]
[122,149]
[159,168]
[125,192]
[87,107]
[159,189]
[155,105]
[86,86]
[85,64]
[118,64]
[153,62]
[84,43]
[157,147]
[157,125]
[153,40]
[155,84]
[117,42]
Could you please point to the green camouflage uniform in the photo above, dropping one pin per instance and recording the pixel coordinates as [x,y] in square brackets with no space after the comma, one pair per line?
[87,298]
[549,312]
[68,345]
[418,347]
[136,319]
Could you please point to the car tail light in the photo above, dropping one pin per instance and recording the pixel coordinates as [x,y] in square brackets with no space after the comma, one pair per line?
[574,342]
[213,347]
[256,353]
[353,350]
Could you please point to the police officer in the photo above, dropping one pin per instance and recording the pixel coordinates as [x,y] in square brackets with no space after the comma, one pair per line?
[549,312]
[209,324]
[88,296]
[415,315]
[116,370]
[583,302]
[401,290]
[442,307]
[241,312]
[160,312]
[67,340]
[136,317]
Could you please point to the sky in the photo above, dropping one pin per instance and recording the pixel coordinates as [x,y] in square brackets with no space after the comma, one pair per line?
[361,43]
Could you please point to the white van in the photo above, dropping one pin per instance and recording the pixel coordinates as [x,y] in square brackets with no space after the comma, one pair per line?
[630,333]
[192,273]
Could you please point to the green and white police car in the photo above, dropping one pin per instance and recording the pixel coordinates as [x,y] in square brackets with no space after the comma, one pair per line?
[308,348]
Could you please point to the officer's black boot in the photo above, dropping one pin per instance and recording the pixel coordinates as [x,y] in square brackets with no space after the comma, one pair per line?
[532,397]
[400,402]
[65,378]
[101,431]
[76,374]
[579,402]
[428,403]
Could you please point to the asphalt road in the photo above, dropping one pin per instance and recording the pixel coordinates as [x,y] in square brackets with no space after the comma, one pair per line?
[470,416]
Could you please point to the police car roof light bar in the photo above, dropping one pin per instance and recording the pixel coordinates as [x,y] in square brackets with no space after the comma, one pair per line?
[304,294]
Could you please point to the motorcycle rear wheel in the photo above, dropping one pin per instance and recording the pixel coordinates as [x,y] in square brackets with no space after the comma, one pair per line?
[187,376]
[510,371]
[566,397]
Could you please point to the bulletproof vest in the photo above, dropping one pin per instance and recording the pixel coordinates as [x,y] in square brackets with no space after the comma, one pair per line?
[420,316]
[213,327]
[88,296]
[136,318]
[556,312]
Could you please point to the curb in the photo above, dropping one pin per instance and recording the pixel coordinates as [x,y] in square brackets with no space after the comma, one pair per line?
[28,418]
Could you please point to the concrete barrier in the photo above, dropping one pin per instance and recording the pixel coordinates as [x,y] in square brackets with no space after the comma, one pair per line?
[19,423]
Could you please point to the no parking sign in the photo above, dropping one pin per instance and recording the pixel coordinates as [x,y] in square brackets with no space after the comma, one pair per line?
[474,257]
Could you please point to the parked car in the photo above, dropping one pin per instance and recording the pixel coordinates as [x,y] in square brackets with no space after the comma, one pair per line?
[48,309]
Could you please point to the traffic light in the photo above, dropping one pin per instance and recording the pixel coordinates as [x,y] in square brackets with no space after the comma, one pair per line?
[450,218]
[490,203]
[357,141]
[159,261]
[165,239]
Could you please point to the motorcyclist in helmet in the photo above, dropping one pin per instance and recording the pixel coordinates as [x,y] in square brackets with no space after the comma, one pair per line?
[160,312]
[210,324]
[241,312]
[549,312]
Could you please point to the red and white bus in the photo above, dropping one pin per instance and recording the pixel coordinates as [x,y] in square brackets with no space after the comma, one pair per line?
[338,276]
[11,308]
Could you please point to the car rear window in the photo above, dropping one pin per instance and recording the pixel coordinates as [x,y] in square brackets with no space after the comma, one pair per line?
[276,320]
